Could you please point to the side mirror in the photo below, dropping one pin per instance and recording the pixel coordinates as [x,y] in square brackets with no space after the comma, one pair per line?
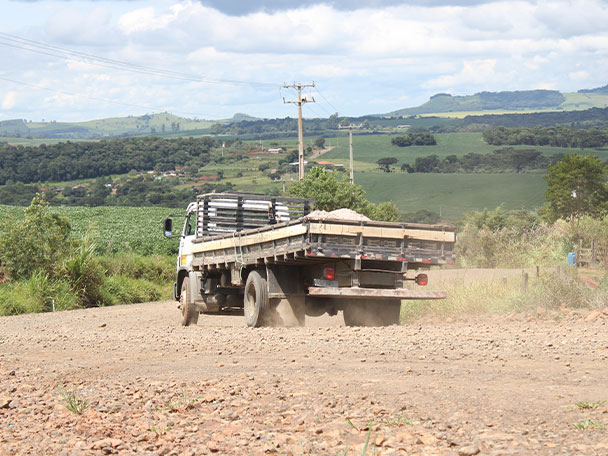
[168,228]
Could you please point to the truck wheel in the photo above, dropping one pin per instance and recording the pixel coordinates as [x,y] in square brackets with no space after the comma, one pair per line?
[372,313]
[189,311]
[256,300]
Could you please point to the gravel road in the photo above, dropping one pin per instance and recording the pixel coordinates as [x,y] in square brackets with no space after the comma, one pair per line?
[493,386]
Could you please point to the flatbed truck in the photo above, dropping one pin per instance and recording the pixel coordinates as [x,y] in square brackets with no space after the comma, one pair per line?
[278,261]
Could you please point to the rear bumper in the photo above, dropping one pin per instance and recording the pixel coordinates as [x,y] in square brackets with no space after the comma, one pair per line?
[375,293]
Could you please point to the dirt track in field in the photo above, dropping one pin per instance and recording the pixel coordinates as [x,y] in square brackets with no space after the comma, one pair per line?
[483,386]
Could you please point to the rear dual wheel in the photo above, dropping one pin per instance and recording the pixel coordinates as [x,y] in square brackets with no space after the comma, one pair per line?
[261,311]
[256,303]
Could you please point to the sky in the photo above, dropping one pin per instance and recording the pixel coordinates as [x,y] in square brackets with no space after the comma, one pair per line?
[80,60]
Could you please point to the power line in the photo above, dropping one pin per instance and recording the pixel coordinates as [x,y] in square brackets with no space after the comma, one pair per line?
[328,102]
[68,54]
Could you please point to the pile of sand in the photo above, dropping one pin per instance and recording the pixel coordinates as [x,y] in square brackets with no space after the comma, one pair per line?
[338,214]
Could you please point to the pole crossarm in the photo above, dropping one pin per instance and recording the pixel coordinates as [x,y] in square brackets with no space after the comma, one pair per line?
[300,101]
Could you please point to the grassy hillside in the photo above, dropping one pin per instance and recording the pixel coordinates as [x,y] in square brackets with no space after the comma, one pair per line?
[132,125]
[453,195]
[369,149]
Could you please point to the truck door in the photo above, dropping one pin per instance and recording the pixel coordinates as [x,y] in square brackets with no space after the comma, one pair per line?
[185,244]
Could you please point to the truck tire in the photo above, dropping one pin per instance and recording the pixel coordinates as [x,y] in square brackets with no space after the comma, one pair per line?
[189,311]
[256,301]
[371,312]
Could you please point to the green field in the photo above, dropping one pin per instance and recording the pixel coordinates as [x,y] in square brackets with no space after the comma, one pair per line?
[118,229]
[449,194]
[453,195]
[371,148]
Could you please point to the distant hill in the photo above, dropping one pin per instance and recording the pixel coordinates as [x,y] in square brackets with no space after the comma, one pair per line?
[602,90]
[521,100]
[156,124]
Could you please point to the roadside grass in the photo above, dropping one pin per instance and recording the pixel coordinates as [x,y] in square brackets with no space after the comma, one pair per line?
[585,405]
[548,292]
[588,423]
[73,402]
[127,279]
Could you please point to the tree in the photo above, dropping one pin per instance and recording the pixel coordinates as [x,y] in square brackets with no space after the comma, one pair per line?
[333,191]
[576,187]
[428,164]
[386,162]
[319,143]
[402,141]
[36,243]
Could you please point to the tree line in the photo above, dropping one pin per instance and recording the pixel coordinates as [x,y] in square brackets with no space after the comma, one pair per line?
[549,136]
[132,191]
[501,160]
[84,160]
[593,117]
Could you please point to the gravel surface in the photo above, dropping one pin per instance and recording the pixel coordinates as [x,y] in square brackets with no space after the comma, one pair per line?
[492,386]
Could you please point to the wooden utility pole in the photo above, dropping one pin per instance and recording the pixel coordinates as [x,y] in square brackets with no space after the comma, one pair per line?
[301,99]
[350,142]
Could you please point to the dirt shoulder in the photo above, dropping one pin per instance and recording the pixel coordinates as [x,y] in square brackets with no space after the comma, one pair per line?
[152,387]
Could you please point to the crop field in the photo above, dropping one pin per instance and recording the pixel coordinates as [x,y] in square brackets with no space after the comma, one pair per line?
[118,229]
[452,195]
[371,148]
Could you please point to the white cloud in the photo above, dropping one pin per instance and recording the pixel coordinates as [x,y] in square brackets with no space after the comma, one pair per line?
[10,100]
[579,75]
[472,73]
[148,19]
[362,56]
[75,26]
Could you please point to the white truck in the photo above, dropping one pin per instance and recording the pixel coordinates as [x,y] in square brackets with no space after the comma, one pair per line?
[277,261]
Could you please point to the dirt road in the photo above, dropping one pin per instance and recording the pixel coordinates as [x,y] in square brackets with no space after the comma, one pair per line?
[492,386]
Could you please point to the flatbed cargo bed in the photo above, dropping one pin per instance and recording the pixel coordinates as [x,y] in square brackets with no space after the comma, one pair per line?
[310,239]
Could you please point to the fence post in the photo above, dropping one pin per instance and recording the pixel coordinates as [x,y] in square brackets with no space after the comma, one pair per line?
[524,282]
[537,272]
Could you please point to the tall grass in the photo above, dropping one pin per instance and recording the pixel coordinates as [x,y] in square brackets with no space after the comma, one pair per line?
[550,291]
[109,280]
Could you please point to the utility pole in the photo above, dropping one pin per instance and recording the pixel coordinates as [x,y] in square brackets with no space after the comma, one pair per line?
[299,102]
[350,142]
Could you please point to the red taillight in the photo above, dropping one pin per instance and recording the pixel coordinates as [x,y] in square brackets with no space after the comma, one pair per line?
[329,273]
[422,279]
